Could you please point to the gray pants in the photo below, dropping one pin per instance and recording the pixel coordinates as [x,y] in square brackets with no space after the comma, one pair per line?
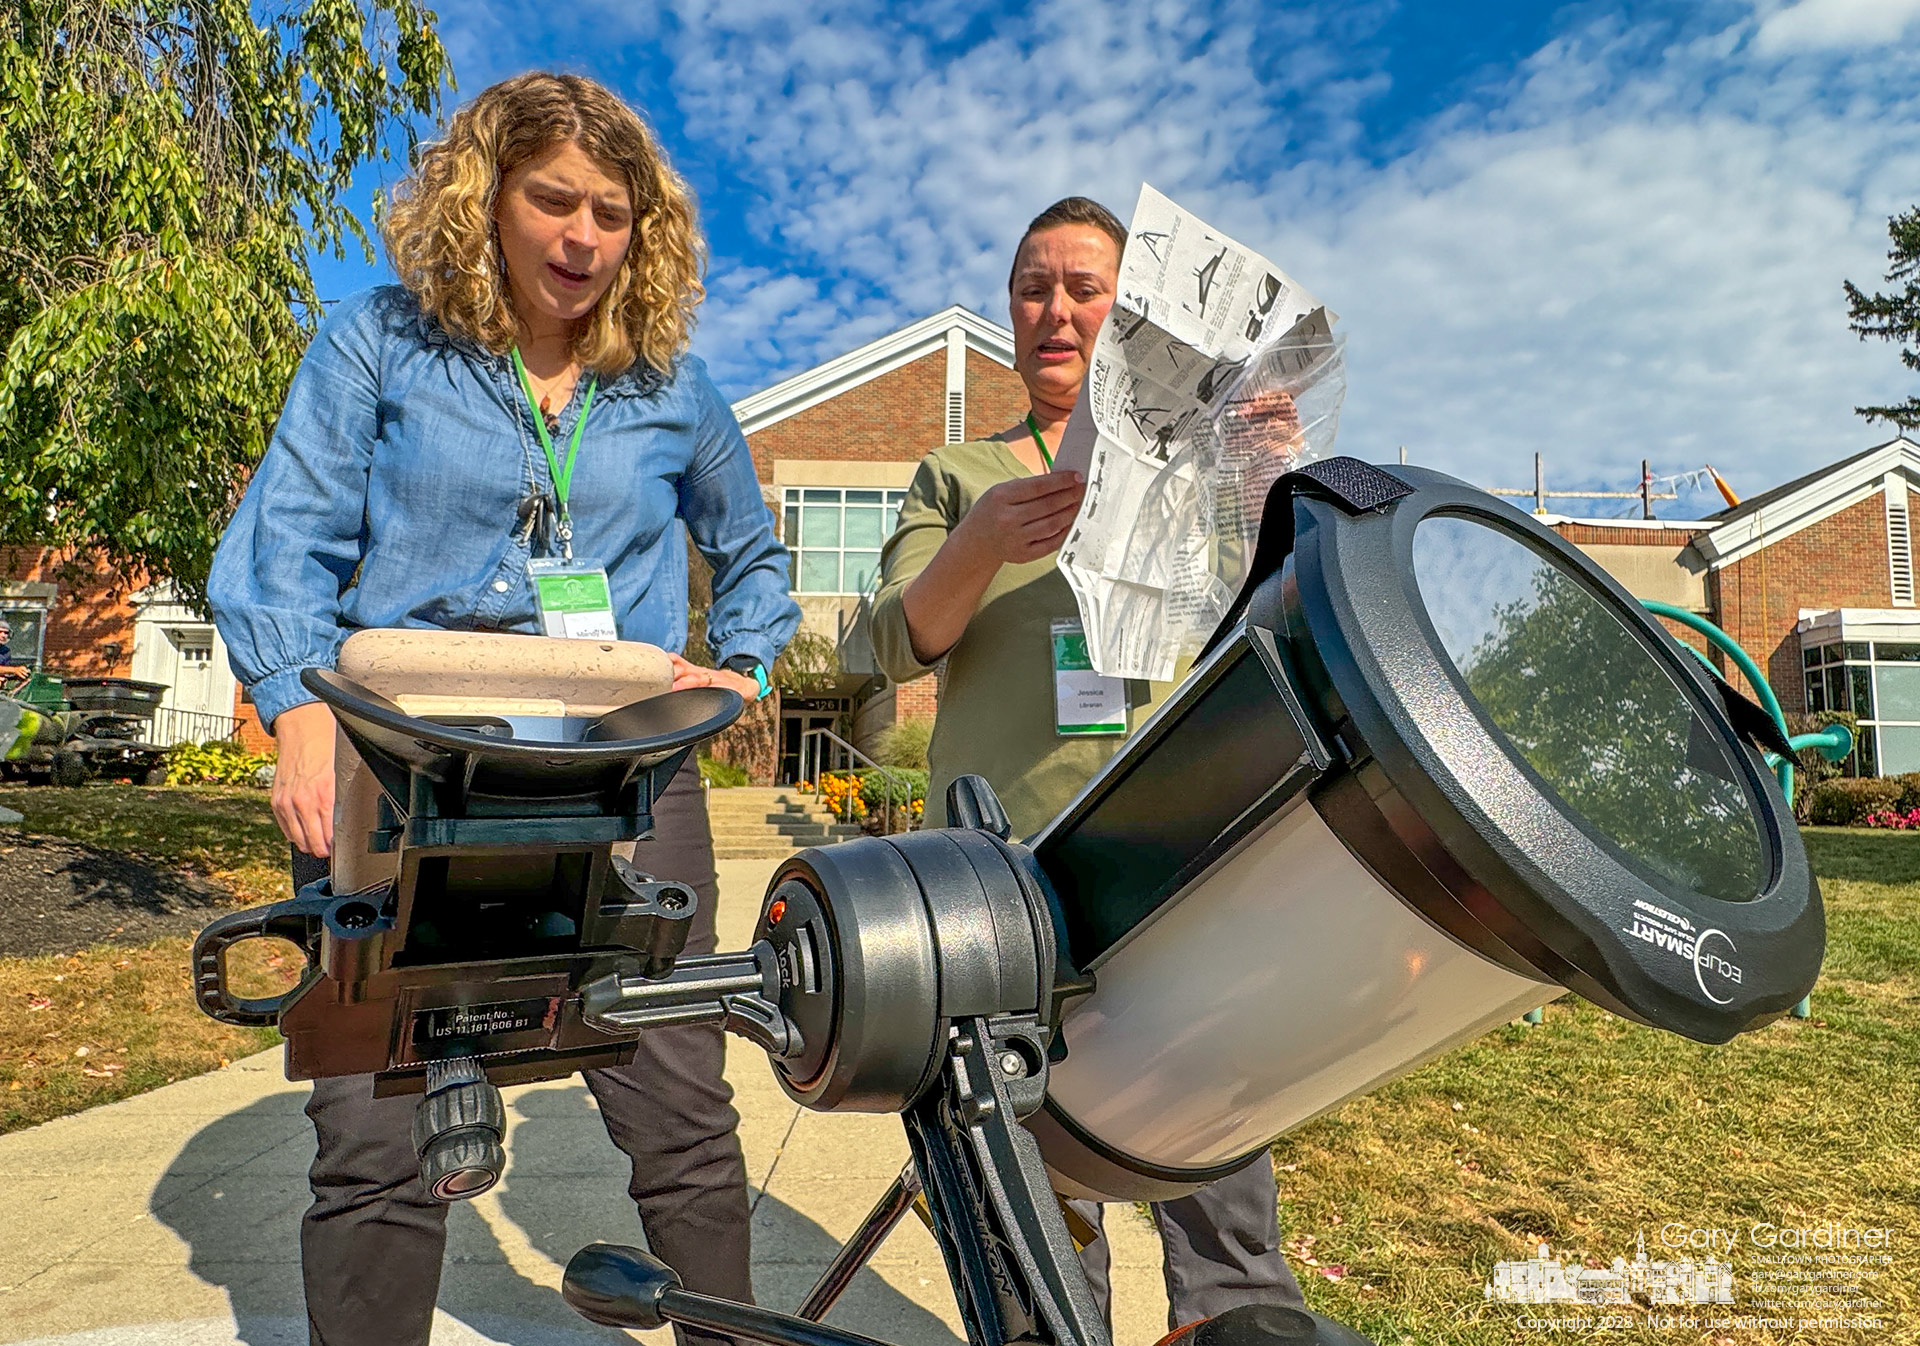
[1222,1247]
[371,1243]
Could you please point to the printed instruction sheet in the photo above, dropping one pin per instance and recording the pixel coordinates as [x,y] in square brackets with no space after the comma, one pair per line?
[1214,373]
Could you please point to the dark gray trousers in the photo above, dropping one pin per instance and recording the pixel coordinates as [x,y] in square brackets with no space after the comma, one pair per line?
[1222,1247]
[371,1243]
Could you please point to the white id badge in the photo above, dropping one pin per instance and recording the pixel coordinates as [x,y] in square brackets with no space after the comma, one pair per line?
[573,598]
[1084,702]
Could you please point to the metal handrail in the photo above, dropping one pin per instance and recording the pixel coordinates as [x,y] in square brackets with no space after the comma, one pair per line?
[811,743]
[172,725]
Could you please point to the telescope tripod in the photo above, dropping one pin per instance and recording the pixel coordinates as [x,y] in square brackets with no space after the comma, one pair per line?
[994,1215]
[1010,1258]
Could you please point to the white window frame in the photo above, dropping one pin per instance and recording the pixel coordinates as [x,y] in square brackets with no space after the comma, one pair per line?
[796,499]
[1847,656]
[11,607]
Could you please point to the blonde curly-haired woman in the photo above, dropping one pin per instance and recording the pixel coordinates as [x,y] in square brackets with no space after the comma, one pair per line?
[524,391]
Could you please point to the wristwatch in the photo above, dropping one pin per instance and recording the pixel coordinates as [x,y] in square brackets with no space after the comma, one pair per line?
[748,666]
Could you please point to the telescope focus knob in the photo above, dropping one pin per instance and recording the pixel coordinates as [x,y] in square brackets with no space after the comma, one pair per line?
[618,1287]
[462,1166]
[972,804]
[457,1130]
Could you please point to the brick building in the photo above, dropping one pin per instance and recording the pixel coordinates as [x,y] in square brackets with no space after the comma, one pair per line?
[77,616]
[1814,579]
[836,447]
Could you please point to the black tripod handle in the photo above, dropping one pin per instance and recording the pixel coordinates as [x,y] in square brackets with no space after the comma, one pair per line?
[624,1287]
[297,920]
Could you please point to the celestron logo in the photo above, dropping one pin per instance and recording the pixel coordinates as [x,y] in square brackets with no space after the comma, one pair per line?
[1708,950]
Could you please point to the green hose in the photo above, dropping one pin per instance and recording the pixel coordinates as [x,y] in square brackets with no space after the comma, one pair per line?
[1834,742]
[1730,647]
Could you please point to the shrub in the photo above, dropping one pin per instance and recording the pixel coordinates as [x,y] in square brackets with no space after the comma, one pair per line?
[904,744]
[861,796]
[722,775]
[1909,792]
[1847,802]
[904,784]
[1810,768]
[218,761]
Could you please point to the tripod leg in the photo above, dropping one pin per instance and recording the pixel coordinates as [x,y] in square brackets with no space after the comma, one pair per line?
[853,1254]
[1006,1244]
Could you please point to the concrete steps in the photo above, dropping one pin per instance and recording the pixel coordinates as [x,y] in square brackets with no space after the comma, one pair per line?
[753,822]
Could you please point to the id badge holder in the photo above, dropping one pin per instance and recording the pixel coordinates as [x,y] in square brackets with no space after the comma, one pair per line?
[1085,703]
[573,598]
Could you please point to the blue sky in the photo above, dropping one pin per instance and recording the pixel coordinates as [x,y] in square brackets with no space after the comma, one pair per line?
[1605,232]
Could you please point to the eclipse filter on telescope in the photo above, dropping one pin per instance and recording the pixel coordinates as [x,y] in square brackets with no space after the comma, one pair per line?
[1439,767]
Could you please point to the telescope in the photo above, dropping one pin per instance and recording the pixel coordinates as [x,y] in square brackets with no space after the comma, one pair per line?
[1434,769]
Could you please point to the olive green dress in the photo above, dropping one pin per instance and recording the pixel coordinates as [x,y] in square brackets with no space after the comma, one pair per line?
[996,696]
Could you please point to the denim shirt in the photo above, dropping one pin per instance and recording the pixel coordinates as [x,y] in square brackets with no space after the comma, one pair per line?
[390,496]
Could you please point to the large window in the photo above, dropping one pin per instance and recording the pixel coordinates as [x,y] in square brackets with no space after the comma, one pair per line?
[835,535]
[27,642]
[1879,681]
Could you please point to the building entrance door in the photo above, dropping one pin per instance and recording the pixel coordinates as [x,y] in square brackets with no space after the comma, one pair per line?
[190,652]
[185,658]
[796,754]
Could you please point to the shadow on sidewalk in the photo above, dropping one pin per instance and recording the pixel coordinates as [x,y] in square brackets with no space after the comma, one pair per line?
[236,1199]
[561,1211]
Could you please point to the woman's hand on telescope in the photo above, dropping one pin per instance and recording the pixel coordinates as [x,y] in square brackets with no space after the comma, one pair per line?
[303,777]
[687,674]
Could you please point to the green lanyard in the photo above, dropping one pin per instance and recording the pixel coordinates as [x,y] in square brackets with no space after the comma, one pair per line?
[562,476]
[1034,427]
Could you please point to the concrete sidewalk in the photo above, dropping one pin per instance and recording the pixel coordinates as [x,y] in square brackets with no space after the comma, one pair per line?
[174,1217]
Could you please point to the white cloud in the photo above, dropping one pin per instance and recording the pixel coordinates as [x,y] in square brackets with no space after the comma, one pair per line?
[1648,273]
[1812,25]
[1631,247]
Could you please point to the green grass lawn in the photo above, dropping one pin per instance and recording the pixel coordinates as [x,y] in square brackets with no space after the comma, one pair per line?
[115,1020]
[1587,1130]
[225,833]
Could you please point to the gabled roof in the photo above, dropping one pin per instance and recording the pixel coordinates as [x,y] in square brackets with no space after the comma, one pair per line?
[791,396]
[1786,509]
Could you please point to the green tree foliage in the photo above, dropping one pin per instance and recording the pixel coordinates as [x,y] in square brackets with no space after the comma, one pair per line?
[1614,737]
[809,666]
[1894,315]
[166,171]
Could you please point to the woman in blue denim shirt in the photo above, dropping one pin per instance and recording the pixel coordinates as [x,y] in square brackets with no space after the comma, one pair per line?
[549,258]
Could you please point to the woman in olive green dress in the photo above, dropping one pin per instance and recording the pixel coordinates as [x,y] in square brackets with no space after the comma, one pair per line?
[968,578]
